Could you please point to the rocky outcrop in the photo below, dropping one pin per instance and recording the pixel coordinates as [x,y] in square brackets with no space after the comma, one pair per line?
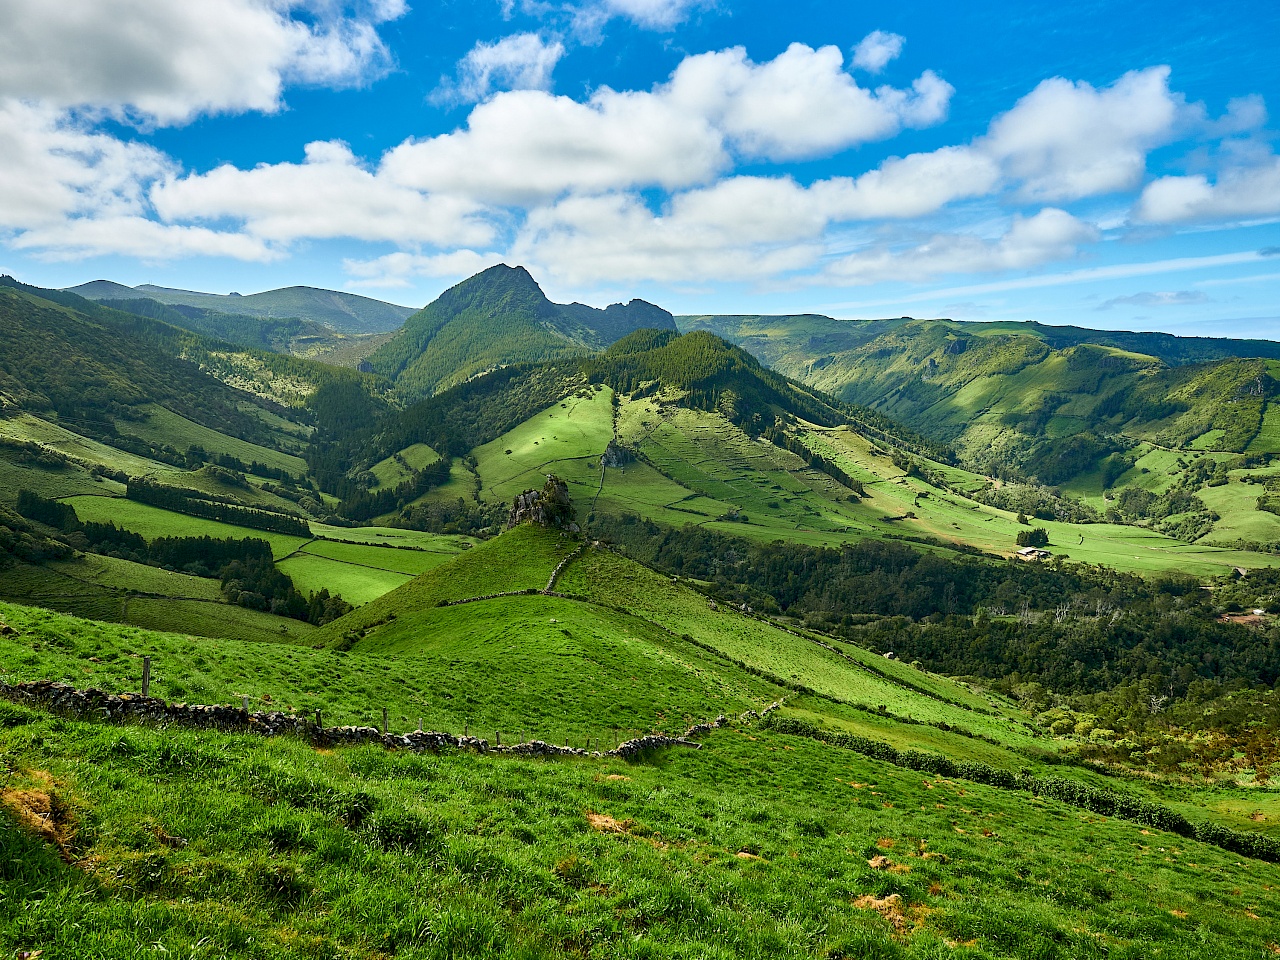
[548,507]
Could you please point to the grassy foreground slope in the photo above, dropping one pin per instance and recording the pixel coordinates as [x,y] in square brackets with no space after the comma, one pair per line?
[757,845]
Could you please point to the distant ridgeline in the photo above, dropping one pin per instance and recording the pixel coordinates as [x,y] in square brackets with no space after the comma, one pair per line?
[1056,402]
[197,504]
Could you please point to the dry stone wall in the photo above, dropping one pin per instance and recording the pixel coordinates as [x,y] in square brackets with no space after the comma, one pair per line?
[95,704]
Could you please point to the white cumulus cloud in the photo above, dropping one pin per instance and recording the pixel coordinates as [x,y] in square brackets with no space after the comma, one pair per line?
[876,50]
[522,61]
[168,62]
[802,103]
[1240,191]
[330,194]
[528,146]
[1067,140]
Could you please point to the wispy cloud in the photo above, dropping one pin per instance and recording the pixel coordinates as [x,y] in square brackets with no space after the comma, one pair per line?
[1118,271]
[522,61]
[1161,298]
[876,50]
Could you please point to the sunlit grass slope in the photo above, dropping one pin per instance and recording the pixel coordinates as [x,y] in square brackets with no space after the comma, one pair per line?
[755,846]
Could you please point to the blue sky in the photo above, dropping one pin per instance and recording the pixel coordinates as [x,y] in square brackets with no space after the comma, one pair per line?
[1098,163]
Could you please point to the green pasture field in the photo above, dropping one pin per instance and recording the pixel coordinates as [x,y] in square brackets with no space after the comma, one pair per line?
[561,439]
[411,562]
[757,845]
[1268,438]
[393,536]
[252,496]
[122,592]
[138,577]
[839,718]
[792,659]
[60,481]
[1237,504]
[949,516]
[521,559]
[525,666]
[1209,440]
[151,522]
[389,471]
[218,621]
[461,485]
[25,426]
[355,583]
[166,427]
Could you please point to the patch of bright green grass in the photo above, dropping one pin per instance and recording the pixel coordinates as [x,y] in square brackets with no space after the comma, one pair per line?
[1236,504]
[521,559]
[62,481]
[163,426]
[138,577]
[568,439]
[1268,438]
[207,481]
[412,562]
[609,579]
[756,846]
[106,589]
[355,583]
[391,472]
[25,426]
[393,536]
[152,522]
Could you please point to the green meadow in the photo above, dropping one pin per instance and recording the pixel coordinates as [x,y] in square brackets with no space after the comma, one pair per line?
[756,845]
[151,522]
[163,426]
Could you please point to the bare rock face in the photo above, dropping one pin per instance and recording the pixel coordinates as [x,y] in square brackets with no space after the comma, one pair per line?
[548,507]
[616,455]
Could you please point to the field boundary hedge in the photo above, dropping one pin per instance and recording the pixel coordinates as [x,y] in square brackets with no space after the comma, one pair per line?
[194,504]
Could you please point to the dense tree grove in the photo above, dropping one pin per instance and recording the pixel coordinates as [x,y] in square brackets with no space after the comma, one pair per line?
[197,504]
[246,567]
[1073,628]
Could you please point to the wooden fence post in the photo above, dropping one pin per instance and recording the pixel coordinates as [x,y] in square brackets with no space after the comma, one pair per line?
[319,725]
[497,737]
[419,724]
[384,721]
[244,701]
[146,676]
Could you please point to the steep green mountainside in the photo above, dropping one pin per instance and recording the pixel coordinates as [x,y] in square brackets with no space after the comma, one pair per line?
[496,318]
[90,367]
[344,312]
[1087,411]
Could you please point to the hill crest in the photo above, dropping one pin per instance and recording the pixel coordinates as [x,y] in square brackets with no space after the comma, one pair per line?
[496,318]
[344,312]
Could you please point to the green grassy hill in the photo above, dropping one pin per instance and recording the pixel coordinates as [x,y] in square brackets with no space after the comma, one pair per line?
[1089,413]
[778,838]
